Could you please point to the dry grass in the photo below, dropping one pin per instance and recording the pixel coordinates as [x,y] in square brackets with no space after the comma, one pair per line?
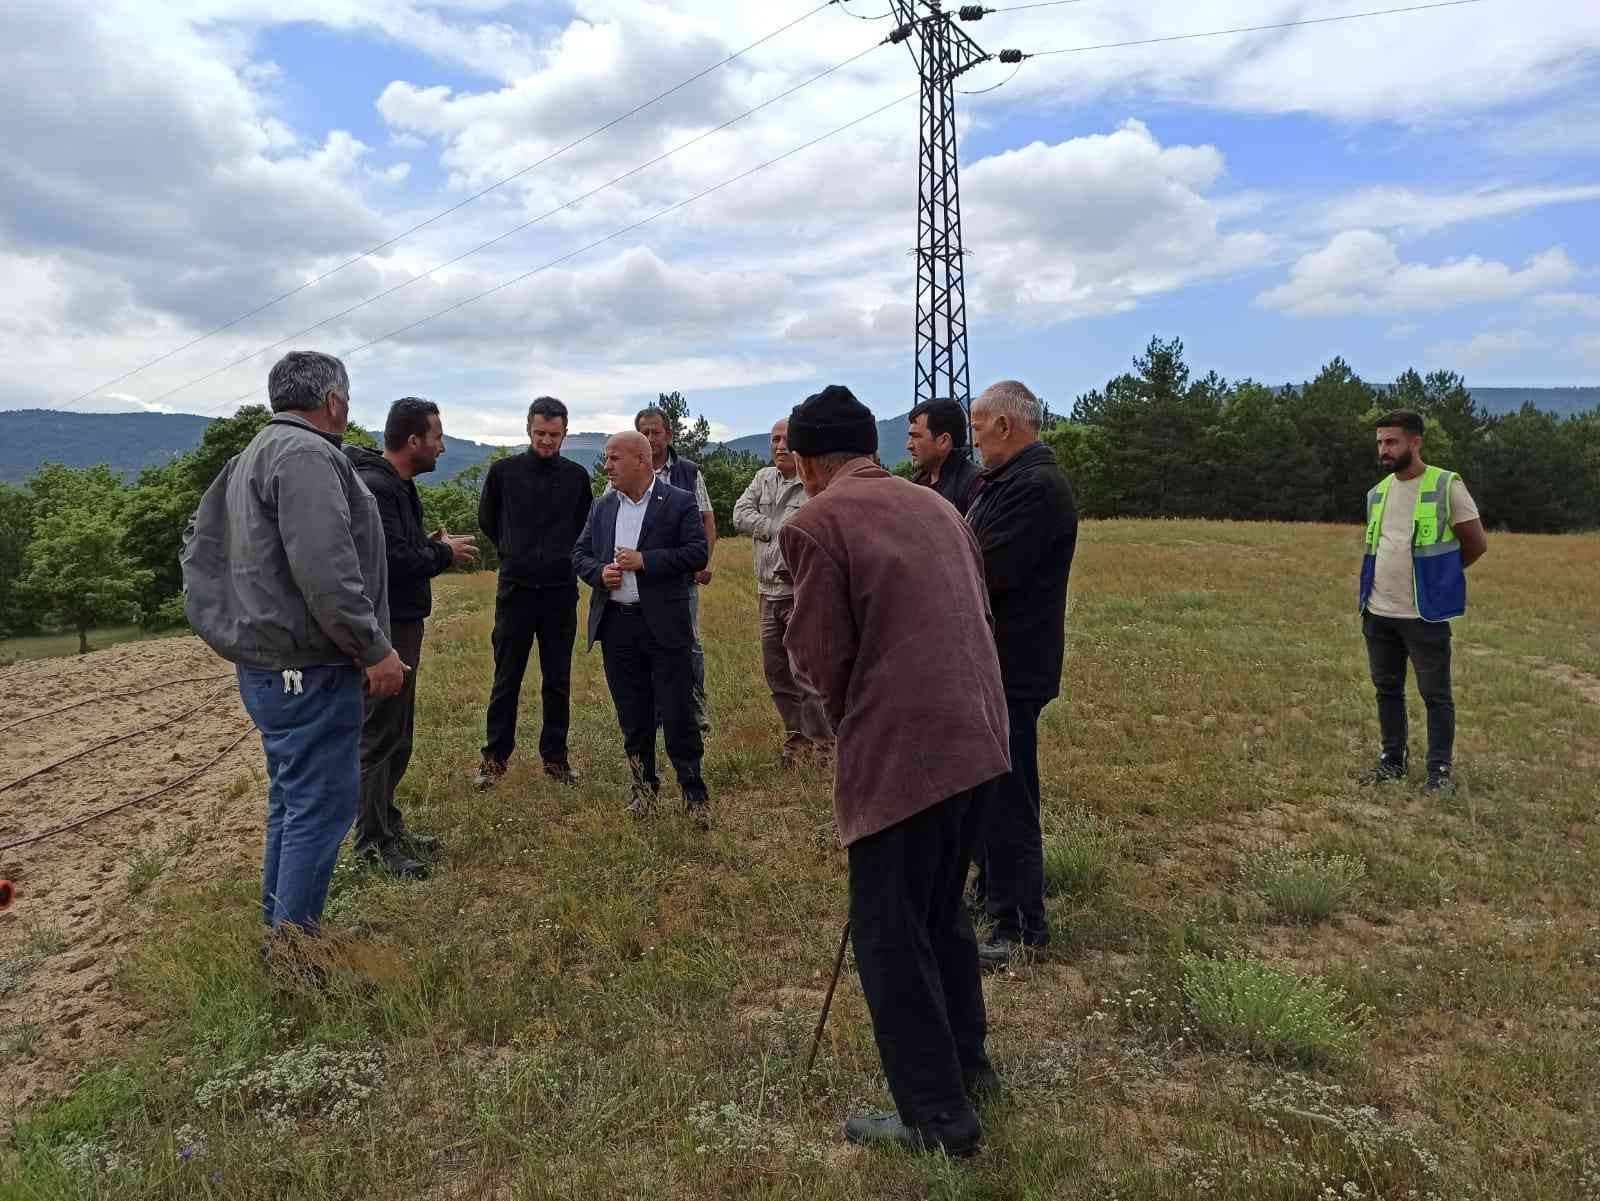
[576,1006]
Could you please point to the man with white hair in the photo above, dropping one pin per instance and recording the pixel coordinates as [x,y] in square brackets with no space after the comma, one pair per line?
[1026,523]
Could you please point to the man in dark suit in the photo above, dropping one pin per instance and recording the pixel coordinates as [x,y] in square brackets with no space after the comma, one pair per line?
[639,551]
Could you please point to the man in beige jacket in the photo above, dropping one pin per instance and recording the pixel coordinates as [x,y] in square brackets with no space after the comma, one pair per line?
[771,498]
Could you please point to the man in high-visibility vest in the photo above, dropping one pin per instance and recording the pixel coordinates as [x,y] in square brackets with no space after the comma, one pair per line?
[1423,532]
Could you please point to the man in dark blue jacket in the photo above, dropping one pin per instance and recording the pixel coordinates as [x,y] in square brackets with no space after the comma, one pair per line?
[532,508]
[639,551]
[413,440]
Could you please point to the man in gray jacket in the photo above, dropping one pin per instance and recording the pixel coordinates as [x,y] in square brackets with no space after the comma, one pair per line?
[771,498]
[284,575]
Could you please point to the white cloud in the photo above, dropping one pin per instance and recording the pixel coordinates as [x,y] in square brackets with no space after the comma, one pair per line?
[1486,349]
[1584,304]
[1359,271]
[1391,207]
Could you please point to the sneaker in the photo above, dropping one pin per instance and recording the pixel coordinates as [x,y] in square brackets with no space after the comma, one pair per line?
[561,772]
[957,1135]
[422,845]
[997,953]
[488,774]
[1439,781]
[1387,771]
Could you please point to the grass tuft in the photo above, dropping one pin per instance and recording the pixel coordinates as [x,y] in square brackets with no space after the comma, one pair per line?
[1079,854]
[1253,1007]
[1301,886]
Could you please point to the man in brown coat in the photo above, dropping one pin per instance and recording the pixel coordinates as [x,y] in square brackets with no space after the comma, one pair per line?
[882,570]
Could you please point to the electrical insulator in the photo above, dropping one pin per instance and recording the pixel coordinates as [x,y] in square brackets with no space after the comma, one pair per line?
[901,34]
[1011,56]
[972,12]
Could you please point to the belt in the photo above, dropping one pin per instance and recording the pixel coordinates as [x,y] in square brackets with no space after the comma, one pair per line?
[635,607]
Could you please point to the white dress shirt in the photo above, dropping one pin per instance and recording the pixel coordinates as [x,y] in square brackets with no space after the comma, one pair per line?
[630,520]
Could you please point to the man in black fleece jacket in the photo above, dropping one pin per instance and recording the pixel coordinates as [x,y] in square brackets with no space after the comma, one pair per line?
[533,507]
[413,440]
[1026,523]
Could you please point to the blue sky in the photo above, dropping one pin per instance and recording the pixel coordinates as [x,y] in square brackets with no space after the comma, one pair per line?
[1410,190]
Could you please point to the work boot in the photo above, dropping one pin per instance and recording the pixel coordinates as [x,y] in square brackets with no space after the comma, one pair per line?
[1439,781]
[561,772]
[957,1135]
[1387,771]
[488,774]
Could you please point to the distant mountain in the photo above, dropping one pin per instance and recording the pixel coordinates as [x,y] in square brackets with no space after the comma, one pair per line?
[129,442]
[891,442]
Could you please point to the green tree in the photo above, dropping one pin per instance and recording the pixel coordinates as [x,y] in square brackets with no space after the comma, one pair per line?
[728,473]
[1081,450]
[153,520]
[16,532]
[1334,420]
[1535,473]
[689,437]
[77,574]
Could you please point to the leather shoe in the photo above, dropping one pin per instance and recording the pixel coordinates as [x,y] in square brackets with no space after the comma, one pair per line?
[957,1135]
[561,772]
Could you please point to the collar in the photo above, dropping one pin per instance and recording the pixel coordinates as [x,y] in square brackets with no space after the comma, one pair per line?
[1028,454]
[290,417]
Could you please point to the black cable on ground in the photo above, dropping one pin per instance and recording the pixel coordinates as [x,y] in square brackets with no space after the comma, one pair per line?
[138,800]
[100,746]
[111,696]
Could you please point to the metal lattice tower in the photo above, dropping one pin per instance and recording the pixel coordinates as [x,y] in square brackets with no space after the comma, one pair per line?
[943,52]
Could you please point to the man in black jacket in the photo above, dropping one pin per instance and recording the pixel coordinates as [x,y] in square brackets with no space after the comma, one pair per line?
[936,440]
[413,440]
[640,549]
[1026,523]
[533,507]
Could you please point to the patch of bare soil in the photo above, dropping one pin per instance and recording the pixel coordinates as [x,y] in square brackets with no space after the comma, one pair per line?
[78,736]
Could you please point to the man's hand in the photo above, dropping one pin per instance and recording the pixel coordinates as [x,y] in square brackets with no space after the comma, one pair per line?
[629,559]
[387,677]
[702,577]
[611,576]
[463,547]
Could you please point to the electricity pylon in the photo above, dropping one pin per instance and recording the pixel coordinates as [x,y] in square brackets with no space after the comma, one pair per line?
[943,53]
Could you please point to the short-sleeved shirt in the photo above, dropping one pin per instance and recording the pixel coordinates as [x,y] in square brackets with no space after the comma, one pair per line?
[1393,594]
[630,520]
[702,498]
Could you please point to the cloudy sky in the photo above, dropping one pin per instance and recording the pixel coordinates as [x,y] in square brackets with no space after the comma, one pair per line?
[1412,189]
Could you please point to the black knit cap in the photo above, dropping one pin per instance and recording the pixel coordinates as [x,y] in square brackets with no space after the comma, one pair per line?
[832,420]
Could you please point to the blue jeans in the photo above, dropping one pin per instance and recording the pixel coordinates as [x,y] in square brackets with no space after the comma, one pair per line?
[312,739]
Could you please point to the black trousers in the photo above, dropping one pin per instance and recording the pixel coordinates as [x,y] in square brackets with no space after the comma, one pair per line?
[918,957]
[645,679]
[1011,847]
[523,615]
[1391,641]
[386,733]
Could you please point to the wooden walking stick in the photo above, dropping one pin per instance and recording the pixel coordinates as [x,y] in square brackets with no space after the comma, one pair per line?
[827,1001]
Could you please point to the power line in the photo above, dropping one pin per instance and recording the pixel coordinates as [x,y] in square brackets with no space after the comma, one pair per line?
[479,195]
[615,234]
[1016,8]
[1217,33]
[566,204]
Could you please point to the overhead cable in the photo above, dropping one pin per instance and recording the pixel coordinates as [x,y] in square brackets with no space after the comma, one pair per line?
[476,196]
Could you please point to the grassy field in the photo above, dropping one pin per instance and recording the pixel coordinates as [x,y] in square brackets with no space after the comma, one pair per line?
[50,646]
[1267,981]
